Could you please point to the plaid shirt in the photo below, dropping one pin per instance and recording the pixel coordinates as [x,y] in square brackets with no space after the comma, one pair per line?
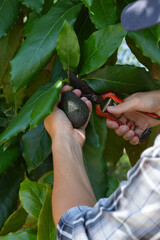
[131,212]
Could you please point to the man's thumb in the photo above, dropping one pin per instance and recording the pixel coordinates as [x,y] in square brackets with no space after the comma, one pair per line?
[121,108]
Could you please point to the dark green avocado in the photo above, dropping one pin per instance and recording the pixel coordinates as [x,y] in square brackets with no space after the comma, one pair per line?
[75,109]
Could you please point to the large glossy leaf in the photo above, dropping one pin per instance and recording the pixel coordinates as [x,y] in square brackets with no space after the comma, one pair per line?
[9,11]
[93,152]
[100,46]
[113,185]
[87,3]
[36,147]
[24,235]
[9,187]
[114,147]
[146,41]
[9,45]
[15,221]
[33,16]
[35,110]
[47,178]
[46,227]
[47,6]
[35,5]
[38,48]
[8,157]
[31,222]
[158,34]
[32,196]
[43,78]
[68,47]
[83,26]
[138,53]
[3,120]
[57,70]
[46,102]
[103,13]
[121,4]
[14,100]
[122,79]
[45,167]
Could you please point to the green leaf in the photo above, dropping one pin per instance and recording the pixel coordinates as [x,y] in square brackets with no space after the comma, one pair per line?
[41,79]
[40,44]
[57,70]
[100,46]
[33,16]
[68,47]
[87,3]
[146,41]
[36,147]
[14,100]
[83,26]
[113,185]
[113,142]
[9,187]
[46,227]
[3,120]
[9,46]
[35,5]
[93,152]
[103,13]
[121,79]
[15,221]
[46,102]
[139,55]
[120,4]
[37,107]
[47,6]
[32,196]
[31,222]
[158,35]
[24,235]
[47,178]
[9,11]
[8,157]
[45,167]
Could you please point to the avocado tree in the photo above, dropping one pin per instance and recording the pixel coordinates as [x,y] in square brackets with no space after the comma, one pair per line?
[40,41]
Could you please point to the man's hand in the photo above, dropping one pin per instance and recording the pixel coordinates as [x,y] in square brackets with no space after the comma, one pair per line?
[127,112]
[57,122]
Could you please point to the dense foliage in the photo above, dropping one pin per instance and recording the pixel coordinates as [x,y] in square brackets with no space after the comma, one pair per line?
[40,41]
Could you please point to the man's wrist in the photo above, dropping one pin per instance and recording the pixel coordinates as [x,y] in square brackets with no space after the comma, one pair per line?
[66,144]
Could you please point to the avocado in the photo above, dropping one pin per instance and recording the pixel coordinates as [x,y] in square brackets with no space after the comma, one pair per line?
[75,109]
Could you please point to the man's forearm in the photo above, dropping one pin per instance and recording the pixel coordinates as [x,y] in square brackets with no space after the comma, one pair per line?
[71,184]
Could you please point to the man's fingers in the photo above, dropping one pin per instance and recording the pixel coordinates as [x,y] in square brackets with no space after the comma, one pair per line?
[129,135]
[122,107]
[122,130]
[65,88]
[77,92]
[111,124]
[134,140]
[89,105]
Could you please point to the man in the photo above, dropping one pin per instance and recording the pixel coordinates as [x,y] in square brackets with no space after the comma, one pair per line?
[133,210]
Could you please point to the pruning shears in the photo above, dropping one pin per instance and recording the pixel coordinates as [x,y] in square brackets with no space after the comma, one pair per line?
[98,99]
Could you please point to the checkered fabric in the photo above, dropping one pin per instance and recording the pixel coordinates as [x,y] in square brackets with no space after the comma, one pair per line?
[131,212]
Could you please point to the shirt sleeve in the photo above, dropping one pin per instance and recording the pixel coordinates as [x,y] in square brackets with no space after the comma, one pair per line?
[131,212]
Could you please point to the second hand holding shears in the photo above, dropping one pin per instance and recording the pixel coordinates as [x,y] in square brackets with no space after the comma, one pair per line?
[99,99]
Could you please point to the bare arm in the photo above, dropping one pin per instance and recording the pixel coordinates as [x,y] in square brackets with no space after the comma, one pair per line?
[71,184]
